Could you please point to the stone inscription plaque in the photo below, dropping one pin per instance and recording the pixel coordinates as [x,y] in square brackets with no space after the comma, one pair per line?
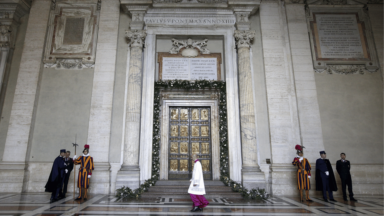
[189,68]
[339,36]
[73,34]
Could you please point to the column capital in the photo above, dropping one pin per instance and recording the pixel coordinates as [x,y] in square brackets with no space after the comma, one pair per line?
[242,10]
[137,37]
[11,12]
[244,38]
[137,11]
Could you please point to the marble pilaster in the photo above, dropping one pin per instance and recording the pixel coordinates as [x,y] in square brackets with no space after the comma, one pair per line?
[252,176]
[129,175]
[99,130]
[24,99]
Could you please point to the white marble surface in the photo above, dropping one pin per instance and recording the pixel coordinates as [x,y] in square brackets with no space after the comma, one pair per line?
[281,95]
[102,93]
[24,99]
[306,93]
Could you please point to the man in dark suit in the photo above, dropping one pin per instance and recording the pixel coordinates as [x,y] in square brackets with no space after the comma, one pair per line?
[69,163]
[325,179]
[56,177]
[343,166]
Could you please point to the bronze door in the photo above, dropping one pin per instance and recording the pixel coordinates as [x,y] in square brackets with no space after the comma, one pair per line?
[189,132]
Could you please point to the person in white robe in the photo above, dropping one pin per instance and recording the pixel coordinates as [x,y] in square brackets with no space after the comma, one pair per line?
[196,188]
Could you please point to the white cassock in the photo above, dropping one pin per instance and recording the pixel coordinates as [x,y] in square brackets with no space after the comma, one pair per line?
[198,180]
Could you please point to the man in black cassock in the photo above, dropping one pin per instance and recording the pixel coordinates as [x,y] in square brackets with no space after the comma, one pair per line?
[343,166]
[56,178]
[325,178]
[69,163]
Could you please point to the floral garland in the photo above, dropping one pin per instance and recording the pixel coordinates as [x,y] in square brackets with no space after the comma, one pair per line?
[125,193]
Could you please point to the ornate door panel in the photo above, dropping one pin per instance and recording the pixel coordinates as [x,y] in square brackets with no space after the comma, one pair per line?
[189,132]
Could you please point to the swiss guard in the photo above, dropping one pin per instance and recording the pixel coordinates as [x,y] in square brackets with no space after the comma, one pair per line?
[56,178]
[325,179]
[303,173]
[85,172]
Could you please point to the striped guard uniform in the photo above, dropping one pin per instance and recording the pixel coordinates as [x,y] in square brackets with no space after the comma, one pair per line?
[303,169]
[86,167]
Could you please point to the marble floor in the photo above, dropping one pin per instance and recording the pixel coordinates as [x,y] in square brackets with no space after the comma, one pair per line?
[36,204]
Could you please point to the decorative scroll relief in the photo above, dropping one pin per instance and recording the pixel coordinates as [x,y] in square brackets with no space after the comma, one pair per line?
[341,43]
[177,45]
[74,64]
[72,34]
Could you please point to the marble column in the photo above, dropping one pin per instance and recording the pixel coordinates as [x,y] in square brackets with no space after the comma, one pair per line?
[252,176]
[99,130]
[13,164]
[129,175]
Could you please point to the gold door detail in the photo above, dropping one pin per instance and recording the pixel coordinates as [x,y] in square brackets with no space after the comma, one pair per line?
[205,165]
[189,133]
[183,131]
[204,131]
[204,148]
[184,148]
[173,165]
[195,131]
[174,148]
[195,148]
[195,114]
[174,114]
[184,165]
[174,130]
[204,114]
[184,114]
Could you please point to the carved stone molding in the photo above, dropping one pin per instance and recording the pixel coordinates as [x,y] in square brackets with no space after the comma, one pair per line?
[189,46]
[72,33]
[336,2]
[357,58]
[244,38]
[375,2]
[167,1]
[211,1]
[344,69]
[73,64]
[5,35]
[137,12]
[137,37]
[10,14]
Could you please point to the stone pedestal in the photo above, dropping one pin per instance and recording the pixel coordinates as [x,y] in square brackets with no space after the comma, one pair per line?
[251,174]
[129,175]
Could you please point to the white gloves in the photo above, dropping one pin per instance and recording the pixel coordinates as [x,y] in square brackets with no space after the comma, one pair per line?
[309,176]
[327,173]
[89,176]
[74,157]
[66,171]
[301,159]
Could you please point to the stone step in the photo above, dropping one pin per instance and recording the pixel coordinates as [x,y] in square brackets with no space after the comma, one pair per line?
[230,195]
[186,183]
[171,189]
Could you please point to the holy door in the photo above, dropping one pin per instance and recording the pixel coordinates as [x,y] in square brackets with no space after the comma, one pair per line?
[189,133]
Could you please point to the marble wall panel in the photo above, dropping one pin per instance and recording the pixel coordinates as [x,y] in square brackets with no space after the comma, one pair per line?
[309,114]
[25,93]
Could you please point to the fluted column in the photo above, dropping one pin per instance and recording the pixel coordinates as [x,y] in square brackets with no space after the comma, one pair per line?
[252,176]
[129,174]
